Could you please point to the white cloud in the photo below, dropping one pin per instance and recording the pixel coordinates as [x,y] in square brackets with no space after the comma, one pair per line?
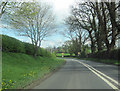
[52,43]
[24,39]
[61,10]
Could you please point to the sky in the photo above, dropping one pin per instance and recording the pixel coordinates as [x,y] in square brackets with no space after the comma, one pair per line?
[61,9]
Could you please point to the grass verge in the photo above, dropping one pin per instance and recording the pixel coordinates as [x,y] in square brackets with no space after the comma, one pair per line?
[107,61]
[19,70]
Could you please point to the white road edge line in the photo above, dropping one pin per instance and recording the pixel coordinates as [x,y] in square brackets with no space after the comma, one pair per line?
[103,74]
[106,76]
[109,83]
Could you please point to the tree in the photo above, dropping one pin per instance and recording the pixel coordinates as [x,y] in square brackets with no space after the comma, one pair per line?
[81,22]
[112,8]
[77,35]
[2,8]
[69,47]
[34,20]
[107,19]
[99,21]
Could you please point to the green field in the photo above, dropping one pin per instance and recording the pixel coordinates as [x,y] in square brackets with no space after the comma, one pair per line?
[65,54]
[18,70]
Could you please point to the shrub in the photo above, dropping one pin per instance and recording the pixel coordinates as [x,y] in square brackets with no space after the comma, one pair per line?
[43,52]
[49,54]
[53,55]
[114,54]
[29,48]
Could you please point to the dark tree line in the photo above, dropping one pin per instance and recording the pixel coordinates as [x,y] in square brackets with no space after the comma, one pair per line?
[97,23]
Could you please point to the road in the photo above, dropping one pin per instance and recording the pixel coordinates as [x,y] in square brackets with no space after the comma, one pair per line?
[81,74]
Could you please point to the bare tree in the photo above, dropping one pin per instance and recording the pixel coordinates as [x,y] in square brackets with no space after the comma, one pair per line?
[99,21]
[78,35]
[34,20]
[82,21]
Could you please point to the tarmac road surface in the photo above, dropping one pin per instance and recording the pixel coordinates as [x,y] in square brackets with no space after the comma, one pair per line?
[81,74]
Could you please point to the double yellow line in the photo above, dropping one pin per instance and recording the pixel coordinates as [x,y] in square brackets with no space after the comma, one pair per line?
[102,76]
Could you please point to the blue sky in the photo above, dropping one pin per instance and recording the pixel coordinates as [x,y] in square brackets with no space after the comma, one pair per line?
[61,10]
[55,39]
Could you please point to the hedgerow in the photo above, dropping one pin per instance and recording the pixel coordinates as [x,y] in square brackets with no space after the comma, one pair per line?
[10,44]
[113,54]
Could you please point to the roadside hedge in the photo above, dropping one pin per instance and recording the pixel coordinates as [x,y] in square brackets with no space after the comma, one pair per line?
[10,44]
[43,52]
[113,54]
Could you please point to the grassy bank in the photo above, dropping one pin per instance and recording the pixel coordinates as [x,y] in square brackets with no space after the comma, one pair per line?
[19,69]
[107,61]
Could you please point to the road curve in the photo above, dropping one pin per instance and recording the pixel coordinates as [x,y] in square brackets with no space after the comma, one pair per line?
[75,75]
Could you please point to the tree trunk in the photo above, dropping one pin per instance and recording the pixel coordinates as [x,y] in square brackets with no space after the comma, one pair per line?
[98,34]
[92,43]
[80,43]
[35,51]
[99,44]
[112,13]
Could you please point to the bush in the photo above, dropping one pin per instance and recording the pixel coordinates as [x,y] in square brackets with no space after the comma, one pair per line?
[29,48]
[43,52]
[83,54]
[10,44]
[114,54]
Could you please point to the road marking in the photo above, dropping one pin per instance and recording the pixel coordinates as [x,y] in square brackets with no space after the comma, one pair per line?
[91,69]
[106,76]
[109,83]
[103,74]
